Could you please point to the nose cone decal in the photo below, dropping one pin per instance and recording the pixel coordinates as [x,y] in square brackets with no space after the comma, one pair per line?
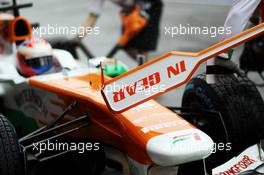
[179,147]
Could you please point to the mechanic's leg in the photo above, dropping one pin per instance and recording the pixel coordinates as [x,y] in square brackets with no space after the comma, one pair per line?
[237,19]
[138,55]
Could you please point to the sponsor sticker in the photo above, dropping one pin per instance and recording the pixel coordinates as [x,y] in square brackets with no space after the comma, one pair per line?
[185,137]
[247,160]
[164,73]
[164,125]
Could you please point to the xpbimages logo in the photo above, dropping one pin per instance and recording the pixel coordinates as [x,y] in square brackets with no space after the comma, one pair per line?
[212,31]
[65,30]
[79,147]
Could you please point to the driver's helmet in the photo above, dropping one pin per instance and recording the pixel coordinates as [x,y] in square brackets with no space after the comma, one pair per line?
[34,57]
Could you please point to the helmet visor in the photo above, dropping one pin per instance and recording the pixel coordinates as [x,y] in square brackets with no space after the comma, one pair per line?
[39,62]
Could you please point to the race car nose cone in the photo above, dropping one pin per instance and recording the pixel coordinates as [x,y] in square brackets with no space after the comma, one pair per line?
[179,147]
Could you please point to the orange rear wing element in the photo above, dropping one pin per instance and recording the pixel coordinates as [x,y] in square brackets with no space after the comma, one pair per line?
[165,73]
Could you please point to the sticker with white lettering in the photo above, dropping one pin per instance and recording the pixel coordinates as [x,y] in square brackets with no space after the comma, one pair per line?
[247,160]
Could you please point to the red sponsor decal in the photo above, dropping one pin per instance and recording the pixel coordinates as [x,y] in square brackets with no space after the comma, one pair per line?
[239,166]
[196,136]
[148,82]
[172,73]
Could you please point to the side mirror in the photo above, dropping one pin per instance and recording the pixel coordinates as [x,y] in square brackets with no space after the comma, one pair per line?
[6,79]
[10,79]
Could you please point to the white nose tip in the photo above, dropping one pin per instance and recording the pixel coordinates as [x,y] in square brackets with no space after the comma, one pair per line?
[179,147]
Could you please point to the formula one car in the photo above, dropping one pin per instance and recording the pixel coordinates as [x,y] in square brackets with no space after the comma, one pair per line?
[77,122]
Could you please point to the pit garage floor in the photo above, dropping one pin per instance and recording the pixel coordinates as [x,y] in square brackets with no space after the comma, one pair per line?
[184,12]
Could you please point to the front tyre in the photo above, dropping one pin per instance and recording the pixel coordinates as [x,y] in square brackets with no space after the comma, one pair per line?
[11,161]
[241,123]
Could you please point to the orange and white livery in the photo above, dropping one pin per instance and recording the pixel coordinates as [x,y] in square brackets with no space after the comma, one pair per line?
[148,135]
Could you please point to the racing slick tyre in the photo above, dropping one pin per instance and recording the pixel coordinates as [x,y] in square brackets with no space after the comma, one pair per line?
[11,162]
[238,114]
